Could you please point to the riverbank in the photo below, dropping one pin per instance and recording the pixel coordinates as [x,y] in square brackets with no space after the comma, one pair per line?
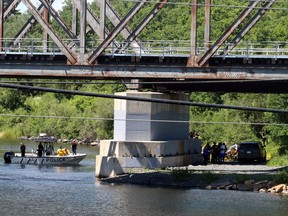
[229,177]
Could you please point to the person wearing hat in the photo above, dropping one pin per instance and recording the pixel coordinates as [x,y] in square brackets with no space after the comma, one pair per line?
[22,149]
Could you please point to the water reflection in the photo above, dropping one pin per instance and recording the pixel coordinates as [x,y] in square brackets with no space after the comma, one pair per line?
[64,190]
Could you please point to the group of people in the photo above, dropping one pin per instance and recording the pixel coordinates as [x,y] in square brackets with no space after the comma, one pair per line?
[215,153]
[40,150]
[62,151]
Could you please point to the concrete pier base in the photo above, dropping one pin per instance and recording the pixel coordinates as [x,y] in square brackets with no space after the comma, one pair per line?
[116,157]
[148,135]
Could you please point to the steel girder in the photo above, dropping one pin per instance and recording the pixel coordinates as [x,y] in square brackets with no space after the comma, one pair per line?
[122,28]
[130,39]
[248,26]
[67,52]
[93,57]
[203,60]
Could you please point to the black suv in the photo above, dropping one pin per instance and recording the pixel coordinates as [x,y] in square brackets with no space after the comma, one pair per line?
[251,152]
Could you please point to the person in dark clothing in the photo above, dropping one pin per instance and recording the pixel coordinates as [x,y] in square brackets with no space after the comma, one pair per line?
[214,153]
[22,149]
[206,153]
[74,146]
[40,150]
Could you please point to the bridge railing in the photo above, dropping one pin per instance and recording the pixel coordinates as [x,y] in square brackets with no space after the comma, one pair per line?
[159,48]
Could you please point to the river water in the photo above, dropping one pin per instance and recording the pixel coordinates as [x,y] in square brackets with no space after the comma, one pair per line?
[55,190]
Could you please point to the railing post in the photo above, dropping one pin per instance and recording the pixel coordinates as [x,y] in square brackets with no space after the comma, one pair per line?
[140,49]
[5,44]
[163,49]
[32,44]
[113,48]
[277,50]
[247,49]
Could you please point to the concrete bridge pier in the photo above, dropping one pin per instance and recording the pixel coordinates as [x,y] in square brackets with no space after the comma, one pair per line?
[148,135]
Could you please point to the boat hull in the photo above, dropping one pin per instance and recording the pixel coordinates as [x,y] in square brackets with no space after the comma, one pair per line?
[48,160]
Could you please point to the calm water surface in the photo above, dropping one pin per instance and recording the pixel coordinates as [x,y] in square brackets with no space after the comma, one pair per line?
[46,190]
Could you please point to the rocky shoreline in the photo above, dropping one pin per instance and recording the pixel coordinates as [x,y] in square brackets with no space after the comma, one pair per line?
[261,181]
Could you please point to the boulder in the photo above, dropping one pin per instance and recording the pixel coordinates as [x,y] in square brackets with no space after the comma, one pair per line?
[277,189]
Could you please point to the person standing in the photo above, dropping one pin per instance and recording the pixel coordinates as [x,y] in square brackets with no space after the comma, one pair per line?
[206,153]
[74,146]
[40,150]
[22,149]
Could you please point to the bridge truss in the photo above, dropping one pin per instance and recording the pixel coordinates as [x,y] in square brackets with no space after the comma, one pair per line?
[73,56]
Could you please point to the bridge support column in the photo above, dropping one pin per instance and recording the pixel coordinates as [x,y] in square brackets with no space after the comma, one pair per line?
[148,135]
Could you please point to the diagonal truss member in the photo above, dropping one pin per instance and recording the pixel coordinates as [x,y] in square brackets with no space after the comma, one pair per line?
[204,59]
[116,31]
[248,26]
[66,51]
[141,26]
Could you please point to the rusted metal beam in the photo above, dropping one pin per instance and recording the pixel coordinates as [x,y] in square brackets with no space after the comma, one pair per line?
[26,27]
[102,19]
[74,19]
[147,71]
[10,7]
[1,23]
[115,19]
[58,19]
[66,51]
[142,25]
[193,34]
[207,24]
[83,27]
[247,27]
[204,59]
[115,31]
[45,35]
[92,20]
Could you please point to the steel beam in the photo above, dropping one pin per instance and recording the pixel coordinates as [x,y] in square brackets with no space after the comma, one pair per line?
[10,7]
[1,23]
[102,19]
[142,25]
[58,19]
[119,72]
[26,27]
[82,27]
[115,31]
[91,19]
[115,19]
[45,33]
[248,26]
[193,35]
[207,24]
[204,59]
[74,20]
[68,53]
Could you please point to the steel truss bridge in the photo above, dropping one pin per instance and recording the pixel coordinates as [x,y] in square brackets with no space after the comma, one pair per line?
[225,65]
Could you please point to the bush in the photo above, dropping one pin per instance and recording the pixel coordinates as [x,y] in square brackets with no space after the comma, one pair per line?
[281,177]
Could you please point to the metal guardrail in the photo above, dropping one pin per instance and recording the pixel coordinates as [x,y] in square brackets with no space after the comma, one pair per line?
[147,48]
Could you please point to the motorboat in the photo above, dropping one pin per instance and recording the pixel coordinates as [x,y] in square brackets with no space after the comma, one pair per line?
[48,157]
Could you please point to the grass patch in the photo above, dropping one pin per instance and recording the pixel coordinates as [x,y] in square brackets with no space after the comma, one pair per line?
[281,177]
[278,158]
[12,133]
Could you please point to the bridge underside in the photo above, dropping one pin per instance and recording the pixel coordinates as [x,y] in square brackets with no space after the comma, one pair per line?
[224,74]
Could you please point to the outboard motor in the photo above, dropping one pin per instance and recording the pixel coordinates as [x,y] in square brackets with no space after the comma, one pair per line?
[8,156]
